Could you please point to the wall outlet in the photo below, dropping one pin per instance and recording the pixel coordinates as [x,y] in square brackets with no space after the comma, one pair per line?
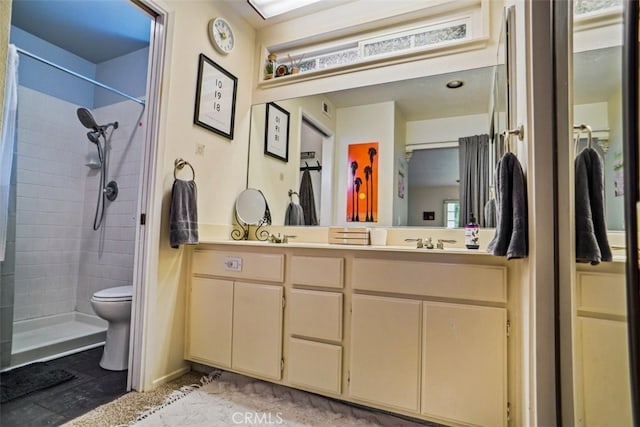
[232,263]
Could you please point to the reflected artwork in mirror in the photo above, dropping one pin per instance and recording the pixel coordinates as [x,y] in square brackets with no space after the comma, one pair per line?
[251,209]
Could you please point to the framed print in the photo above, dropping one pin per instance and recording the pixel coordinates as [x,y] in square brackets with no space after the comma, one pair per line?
[215,98]
[276,132]
[362,184]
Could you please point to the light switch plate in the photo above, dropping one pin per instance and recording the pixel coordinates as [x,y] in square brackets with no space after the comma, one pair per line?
[232,263]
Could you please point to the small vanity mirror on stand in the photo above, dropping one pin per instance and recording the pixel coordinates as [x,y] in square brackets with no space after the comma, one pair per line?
[251,209]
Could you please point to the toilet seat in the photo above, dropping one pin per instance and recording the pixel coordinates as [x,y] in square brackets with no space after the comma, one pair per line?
[117,294]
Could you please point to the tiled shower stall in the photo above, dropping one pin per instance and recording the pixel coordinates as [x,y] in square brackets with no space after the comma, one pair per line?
[55,260]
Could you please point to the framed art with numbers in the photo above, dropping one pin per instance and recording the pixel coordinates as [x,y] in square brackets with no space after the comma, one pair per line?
[215,98]
[276,132]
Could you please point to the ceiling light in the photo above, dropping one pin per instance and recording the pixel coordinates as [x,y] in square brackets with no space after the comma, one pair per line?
[455,84]
[270,8]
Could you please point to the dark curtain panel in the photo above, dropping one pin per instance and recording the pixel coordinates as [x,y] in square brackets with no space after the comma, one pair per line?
[474,177]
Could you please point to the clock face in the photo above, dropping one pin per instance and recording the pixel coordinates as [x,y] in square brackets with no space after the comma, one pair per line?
[221,35]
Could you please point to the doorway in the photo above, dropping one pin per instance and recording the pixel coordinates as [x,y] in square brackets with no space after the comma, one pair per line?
[91,260]
[316,159]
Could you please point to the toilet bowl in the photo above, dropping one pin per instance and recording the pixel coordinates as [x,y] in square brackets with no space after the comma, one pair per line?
[114,306]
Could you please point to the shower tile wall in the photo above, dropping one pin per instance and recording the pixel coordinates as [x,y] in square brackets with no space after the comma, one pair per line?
[50,161]
[56,202]
[106,258]
[7,278]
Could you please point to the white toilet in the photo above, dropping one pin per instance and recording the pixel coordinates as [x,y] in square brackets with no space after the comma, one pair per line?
[114,306]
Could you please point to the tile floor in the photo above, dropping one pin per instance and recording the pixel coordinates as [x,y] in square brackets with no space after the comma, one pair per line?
[91,387]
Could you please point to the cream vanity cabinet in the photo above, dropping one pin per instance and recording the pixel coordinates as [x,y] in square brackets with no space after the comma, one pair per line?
[430,338]
[397,331]
[235,311]
[602,364]
[315,323]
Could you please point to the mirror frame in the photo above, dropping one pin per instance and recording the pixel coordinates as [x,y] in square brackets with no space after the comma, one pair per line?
[261,219]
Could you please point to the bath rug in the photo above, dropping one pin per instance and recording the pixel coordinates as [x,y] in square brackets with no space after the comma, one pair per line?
[27,379]
[227,399]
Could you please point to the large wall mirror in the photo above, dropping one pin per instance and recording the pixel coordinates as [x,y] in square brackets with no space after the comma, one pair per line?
[409,172]
[597,99]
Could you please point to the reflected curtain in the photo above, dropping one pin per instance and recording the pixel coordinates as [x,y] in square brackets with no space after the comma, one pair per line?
[474,177]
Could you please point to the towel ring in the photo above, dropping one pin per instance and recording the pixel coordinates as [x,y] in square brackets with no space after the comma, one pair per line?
[291,193]
[519,132]
[181,163]
[580,128]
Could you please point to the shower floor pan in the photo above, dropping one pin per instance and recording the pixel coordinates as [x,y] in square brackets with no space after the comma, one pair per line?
[51,337]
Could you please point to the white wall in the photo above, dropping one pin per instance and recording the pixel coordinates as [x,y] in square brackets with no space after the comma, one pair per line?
[220,172]
[447,129]
[400,204]
[366,123]
[422,199]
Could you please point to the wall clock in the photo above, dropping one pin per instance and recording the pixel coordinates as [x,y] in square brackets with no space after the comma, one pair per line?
[221,35]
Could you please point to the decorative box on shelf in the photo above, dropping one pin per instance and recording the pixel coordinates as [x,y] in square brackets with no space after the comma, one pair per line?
[348,236]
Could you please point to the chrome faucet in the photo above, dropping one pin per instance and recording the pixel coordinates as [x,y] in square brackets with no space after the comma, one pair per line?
[420,243]
[441,243]
[284,239]
[428,243]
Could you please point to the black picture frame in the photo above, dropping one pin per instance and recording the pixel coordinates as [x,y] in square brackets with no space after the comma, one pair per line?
[276,132]
[216,91]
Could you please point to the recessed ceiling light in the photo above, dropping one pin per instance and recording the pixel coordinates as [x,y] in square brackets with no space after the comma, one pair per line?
[455,84]
[270,8]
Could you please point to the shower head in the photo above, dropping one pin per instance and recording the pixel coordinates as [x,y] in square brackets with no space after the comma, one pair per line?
[87,120]
[94,136]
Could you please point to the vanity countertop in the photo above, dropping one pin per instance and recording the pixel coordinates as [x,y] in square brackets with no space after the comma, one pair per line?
[368,248]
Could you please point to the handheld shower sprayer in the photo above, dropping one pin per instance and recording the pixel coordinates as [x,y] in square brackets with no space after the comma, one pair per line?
[107,191]
[87,120]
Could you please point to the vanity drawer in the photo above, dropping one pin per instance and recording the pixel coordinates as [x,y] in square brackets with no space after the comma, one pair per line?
[315,365]
[603,293]
[315,314]
[253,266]
[459,281]
[317,271]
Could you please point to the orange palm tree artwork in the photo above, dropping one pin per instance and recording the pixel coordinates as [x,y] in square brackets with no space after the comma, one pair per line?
[362,159]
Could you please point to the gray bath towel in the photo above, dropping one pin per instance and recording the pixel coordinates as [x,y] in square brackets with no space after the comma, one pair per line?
[592,244]
[511,238]
[307,200]
[294,215]
[183,213]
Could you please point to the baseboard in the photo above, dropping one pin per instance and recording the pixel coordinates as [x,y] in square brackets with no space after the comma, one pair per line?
[170,376]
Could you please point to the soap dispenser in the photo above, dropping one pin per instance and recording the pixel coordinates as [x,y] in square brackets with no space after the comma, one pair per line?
[472,233]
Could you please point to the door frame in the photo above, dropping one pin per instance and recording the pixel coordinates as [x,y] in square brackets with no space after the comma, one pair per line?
[159,14]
